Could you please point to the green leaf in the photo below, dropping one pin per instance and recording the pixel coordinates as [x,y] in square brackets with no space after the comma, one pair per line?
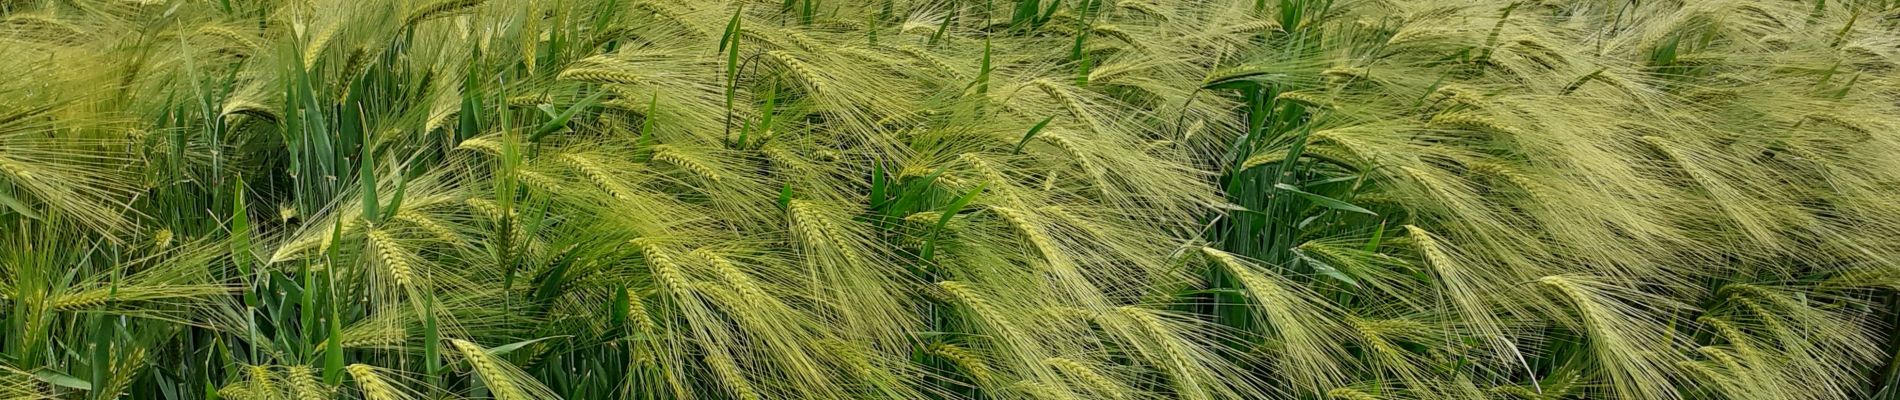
[944,220]
[944,26]
[431,343]
[1031,135]
[506,348]
[785,197]
[1243,77]
[1324,201]
[983,71]
[367,174]
[1025,14]
[1049,12]
[560,121]
[647,122]
[1372,245]
[17,206]
[729,43]
[556,275]
[241,243]
[333,360]
[62,380]
[1325,269]
[395,200]
[877,185]
[732,31]
[957,206]
[621,306]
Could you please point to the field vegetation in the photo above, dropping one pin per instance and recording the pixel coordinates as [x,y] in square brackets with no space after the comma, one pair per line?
[949,199]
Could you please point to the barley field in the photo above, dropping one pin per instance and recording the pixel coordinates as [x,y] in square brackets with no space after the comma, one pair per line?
[950,199]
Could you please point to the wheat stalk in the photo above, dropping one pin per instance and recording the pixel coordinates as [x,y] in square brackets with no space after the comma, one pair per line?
[493,373]
[440,229]
[729,375]
[261,380]
[599,176]
[602,75]
[665,269]
[673,14]
[672,155]
[303,383]
[1063,97]
[1350,394]
[318,44]
[988,312]
[232,36]
[637,312]
[971,363]
[439,9]
[931,60]
[391,255]
[746,286]
[373,385]
[799,69]
[1088,376]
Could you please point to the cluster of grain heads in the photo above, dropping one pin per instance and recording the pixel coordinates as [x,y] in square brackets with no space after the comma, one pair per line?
[926,199]
[503,380]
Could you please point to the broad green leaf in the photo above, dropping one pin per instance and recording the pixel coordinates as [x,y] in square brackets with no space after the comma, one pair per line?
[1031,135]
[17,206]
[944,220]
[1324,201]
[560,121]
[506,348]
[62,380]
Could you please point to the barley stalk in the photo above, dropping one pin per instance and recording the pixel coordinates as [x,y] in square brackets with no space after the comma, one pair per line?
[1722,357]
[439,9]
[317,44]
[599,176]
[17,170]
[665,269]
[729,375]
[747,287]
[1473,122]
[1375,336]
[798,68]
[234,392]
[1120,34]
[1306,98]
[1068,101]
[983,308]
[673,14]
[232,36]
[637,312]
[601,75]
[1349,394]
[438,228]
[378,339]
[970,362]
[392,257]
[931,60]
[493,374]
[486,145]
[1345,73]
[262,380]
[1088,376]
[303,383]
[1529,185]
[673,156]
[373,385]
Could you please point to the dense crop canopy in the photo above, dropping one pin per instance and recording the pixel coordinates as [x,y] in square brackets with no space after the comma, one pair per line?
[949,199]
